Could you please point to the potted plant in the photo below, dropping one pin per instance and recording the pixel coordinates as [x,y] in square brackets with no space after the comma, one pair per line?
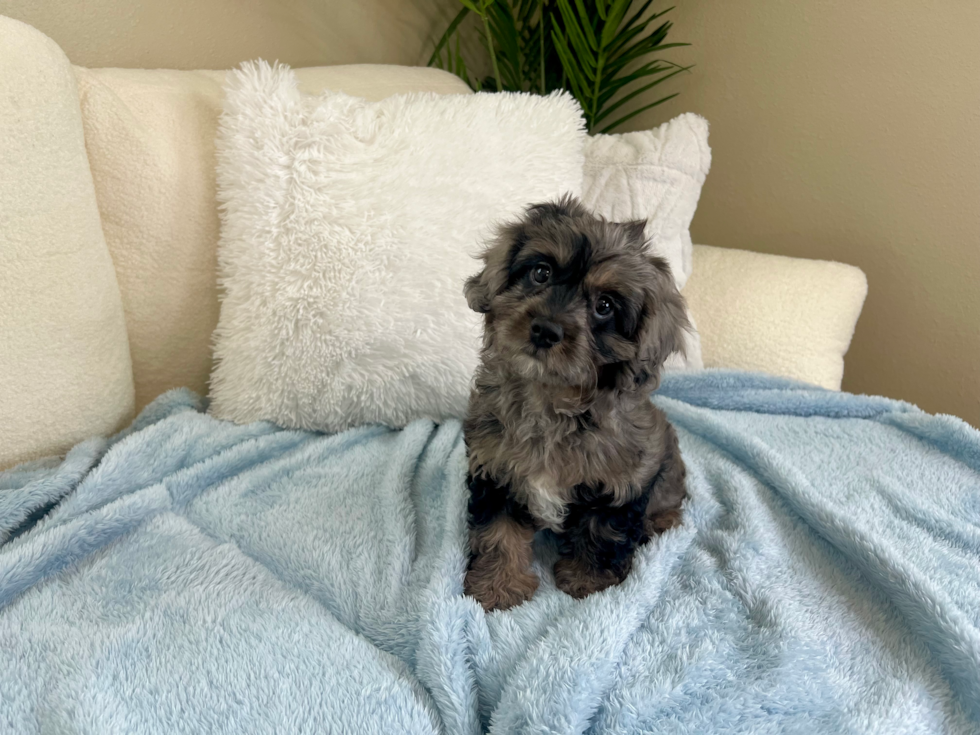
[598,50]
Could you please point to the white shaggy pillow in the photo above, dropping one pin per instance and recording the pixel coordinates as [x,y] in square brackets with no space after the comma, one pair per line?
[348,229]
[654,175]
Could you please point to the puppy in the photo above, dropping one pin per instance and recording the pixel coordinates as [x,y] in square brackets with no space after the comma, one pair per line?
[561,433]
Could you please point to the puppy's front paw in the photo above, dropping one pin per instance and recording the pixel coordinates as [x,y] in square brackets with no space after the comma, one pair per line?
[496,589]
[574,577]
[662,521]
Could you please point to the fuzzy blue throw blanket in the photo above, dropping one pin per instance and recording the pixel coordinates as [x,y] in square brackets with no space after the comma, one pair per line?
[190,575]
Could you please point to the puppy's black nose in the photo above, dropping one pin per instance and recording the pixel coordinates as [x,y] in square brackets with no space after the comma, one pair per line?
[545,334]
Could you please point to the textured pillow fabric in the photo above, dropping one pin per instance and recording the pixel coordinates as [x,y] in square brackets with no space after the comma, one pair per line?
[65,372]
[348,230]
[792,317]
[150,137]
[654,175]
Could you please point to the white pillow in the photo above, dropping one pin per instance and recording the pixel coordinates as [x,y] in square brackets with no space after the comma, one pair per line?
[150,134]
[654,175]
[348,230]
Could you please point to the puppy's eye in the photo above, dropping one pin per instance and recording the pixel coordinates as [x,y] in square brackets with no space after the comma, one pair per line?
[603,307]
[541,273]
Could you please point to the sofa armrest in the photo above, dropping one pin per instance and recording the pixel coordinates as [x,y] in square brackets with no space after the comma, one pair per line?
[785,316]
[65,370]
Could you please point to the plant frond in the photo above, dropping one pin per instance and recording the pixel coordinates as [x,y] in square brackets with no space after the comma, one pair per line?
[630,116]
[460,16]
[607,53]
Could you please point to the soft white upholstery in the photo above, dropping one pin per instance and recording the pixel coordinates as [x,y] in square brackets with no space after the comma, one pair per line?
[785,316]
[65,372]
[348,230]
[64,358]
[150,137]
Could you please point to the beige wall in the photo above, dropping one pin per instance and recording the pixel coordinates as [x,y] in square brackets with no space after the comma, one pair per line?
[850,130]
[841,129]
[218,34]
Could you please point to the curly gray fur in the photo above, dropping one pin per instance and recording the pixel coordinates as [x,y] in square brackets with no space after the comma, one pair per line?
[568,427]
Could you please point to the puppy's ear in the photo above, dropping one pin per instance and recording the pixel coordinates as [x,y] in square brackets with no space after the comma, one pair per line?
[481,288]
[499,257]
[634,233]
[661,330]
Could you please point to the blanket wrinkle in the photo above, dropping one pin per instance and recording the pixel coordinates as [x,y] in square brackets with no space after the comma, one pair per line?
[193,575]
[946,628]
[42,489]
[947,434]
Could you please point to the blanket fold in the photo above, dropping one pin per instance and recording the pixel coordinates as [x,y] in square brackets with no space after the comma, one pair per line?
[192,575]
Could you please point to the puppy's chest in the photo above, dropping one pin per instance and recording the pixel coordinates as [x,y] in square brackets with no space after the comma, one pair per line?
[545,466]
[546,500]
[546,479]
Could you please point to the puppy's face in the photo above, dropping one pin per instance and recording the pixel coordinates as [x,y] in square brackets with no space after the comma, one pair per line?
[574,300]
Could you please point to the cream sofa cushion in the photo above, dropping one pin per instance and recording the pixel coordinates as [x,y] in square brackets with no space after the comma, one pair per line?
[150,137]
[65,372]
[779,315]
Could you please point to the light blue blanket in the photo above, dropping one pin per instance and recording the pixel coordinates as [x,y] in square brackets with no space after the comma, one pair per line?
[190,575]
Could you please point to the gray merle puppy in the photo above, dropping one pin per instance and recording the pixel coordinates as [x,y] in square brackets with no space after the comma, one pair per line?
[561,433]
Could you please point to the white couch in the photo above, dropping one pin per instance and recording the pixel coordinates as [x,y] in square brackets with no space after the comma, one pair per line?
[108,231]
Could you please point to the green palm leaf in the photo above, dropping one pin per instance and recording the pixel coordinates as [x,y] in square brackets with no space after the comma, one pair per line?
[612,126]
[436,59]
[607,53]
[587,23]
[608,110]
[572,71]
[618,84]
[507,38]
[607,47]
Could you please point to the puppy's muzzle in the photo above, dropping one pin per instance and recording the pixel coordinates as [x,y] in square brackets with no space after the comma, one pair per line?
[545,334]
